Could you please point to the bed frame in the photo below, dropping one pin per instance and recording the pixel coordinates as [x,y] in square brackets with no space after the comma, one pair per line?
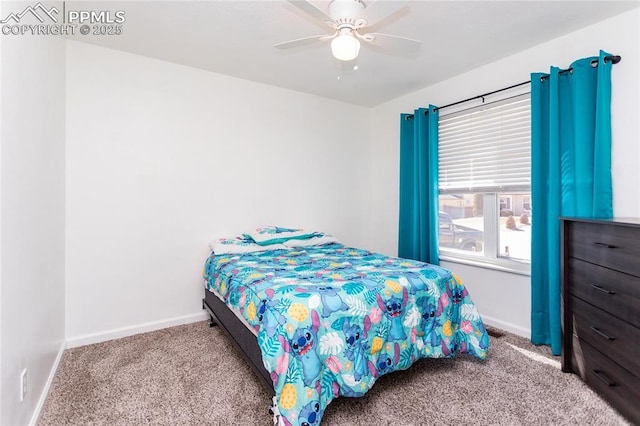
[243,339]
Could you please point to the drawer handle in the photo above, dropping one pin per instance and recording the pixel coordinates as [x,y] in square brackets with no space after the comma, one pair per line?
[604,290]
[595,329]
[600,375]
[604,245]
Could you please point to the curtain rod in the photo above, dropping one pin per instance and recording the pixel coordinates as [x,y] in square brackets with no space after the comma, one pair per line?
[613,58]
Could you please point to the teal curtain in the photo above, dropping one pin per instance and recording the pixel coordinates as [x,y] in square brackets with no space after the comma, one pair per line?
[418,227]
[570,174]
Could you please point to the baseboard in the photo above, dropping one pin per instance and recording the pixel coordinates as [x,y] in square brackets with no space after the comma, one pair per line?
[511,328]
[89,339]
[47,386]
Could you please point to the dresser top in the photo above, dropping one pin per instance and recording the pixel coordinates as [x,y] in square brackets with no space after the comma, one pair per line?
[629,221]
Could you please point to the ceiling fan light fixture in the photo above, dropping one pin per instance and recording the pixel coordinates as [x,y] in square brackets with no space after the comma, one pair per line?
[345,46]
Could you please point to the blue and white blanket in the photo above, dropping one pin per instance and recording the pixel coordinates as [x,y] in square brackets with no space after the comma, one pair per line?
[331,319]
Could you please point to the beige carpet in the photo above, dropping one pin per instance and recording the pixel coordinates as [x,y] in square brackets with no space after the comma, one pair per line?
[192,375]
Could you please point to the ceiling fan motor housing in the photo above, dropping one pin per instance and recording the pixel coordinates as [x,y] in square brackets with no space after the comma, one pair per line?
[345,9]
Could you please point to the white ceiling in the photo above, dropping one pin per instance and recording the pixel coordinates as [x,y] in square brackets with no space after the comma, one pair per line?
[237,38]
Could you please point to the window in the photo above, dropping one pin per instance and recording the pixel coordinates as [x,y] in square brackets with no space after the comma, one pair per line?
[505,204]
[485,184]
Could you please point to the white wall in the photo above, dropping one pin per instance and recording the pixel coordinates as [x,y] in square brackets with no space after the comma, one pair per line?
[163,157]
[1,358]
[503,298]
[31,216]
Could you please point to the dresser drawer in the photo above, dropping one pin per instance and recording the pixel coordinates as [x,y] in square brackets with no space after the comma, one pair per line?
[611,246]
[610,380]
[613,337]
[607,289]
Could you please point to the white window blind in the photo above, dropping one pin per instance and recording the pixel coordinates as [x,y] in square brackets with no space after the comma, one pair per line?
[487,148]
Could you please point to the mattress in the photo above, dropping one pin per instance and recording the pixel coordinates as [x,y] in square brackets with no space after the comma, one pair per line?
[331,319]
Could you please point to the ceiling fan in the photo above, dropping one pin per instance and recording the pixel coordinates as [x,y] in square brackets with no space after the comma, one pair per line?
[349,19]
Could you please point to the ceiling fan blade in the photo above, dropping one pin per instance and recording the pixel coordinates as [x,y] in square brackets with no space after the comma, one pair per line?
[379,10]
[311,9]
[392,41]
[303,41]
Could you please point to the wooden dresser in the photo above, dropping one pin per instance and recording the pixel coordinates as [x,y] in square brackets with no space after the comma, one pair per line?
[601,308]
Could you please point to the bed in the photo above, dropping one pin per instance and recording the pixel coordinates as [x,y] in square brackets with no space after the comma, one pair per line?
[316,319]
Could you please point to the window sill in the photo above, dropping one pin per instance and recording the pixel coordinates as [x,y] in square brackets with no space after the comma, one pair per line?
[500,264]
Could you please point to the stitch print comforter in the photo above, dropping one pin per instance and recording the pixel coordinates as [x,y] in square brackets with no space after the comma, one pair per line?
[332,319]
